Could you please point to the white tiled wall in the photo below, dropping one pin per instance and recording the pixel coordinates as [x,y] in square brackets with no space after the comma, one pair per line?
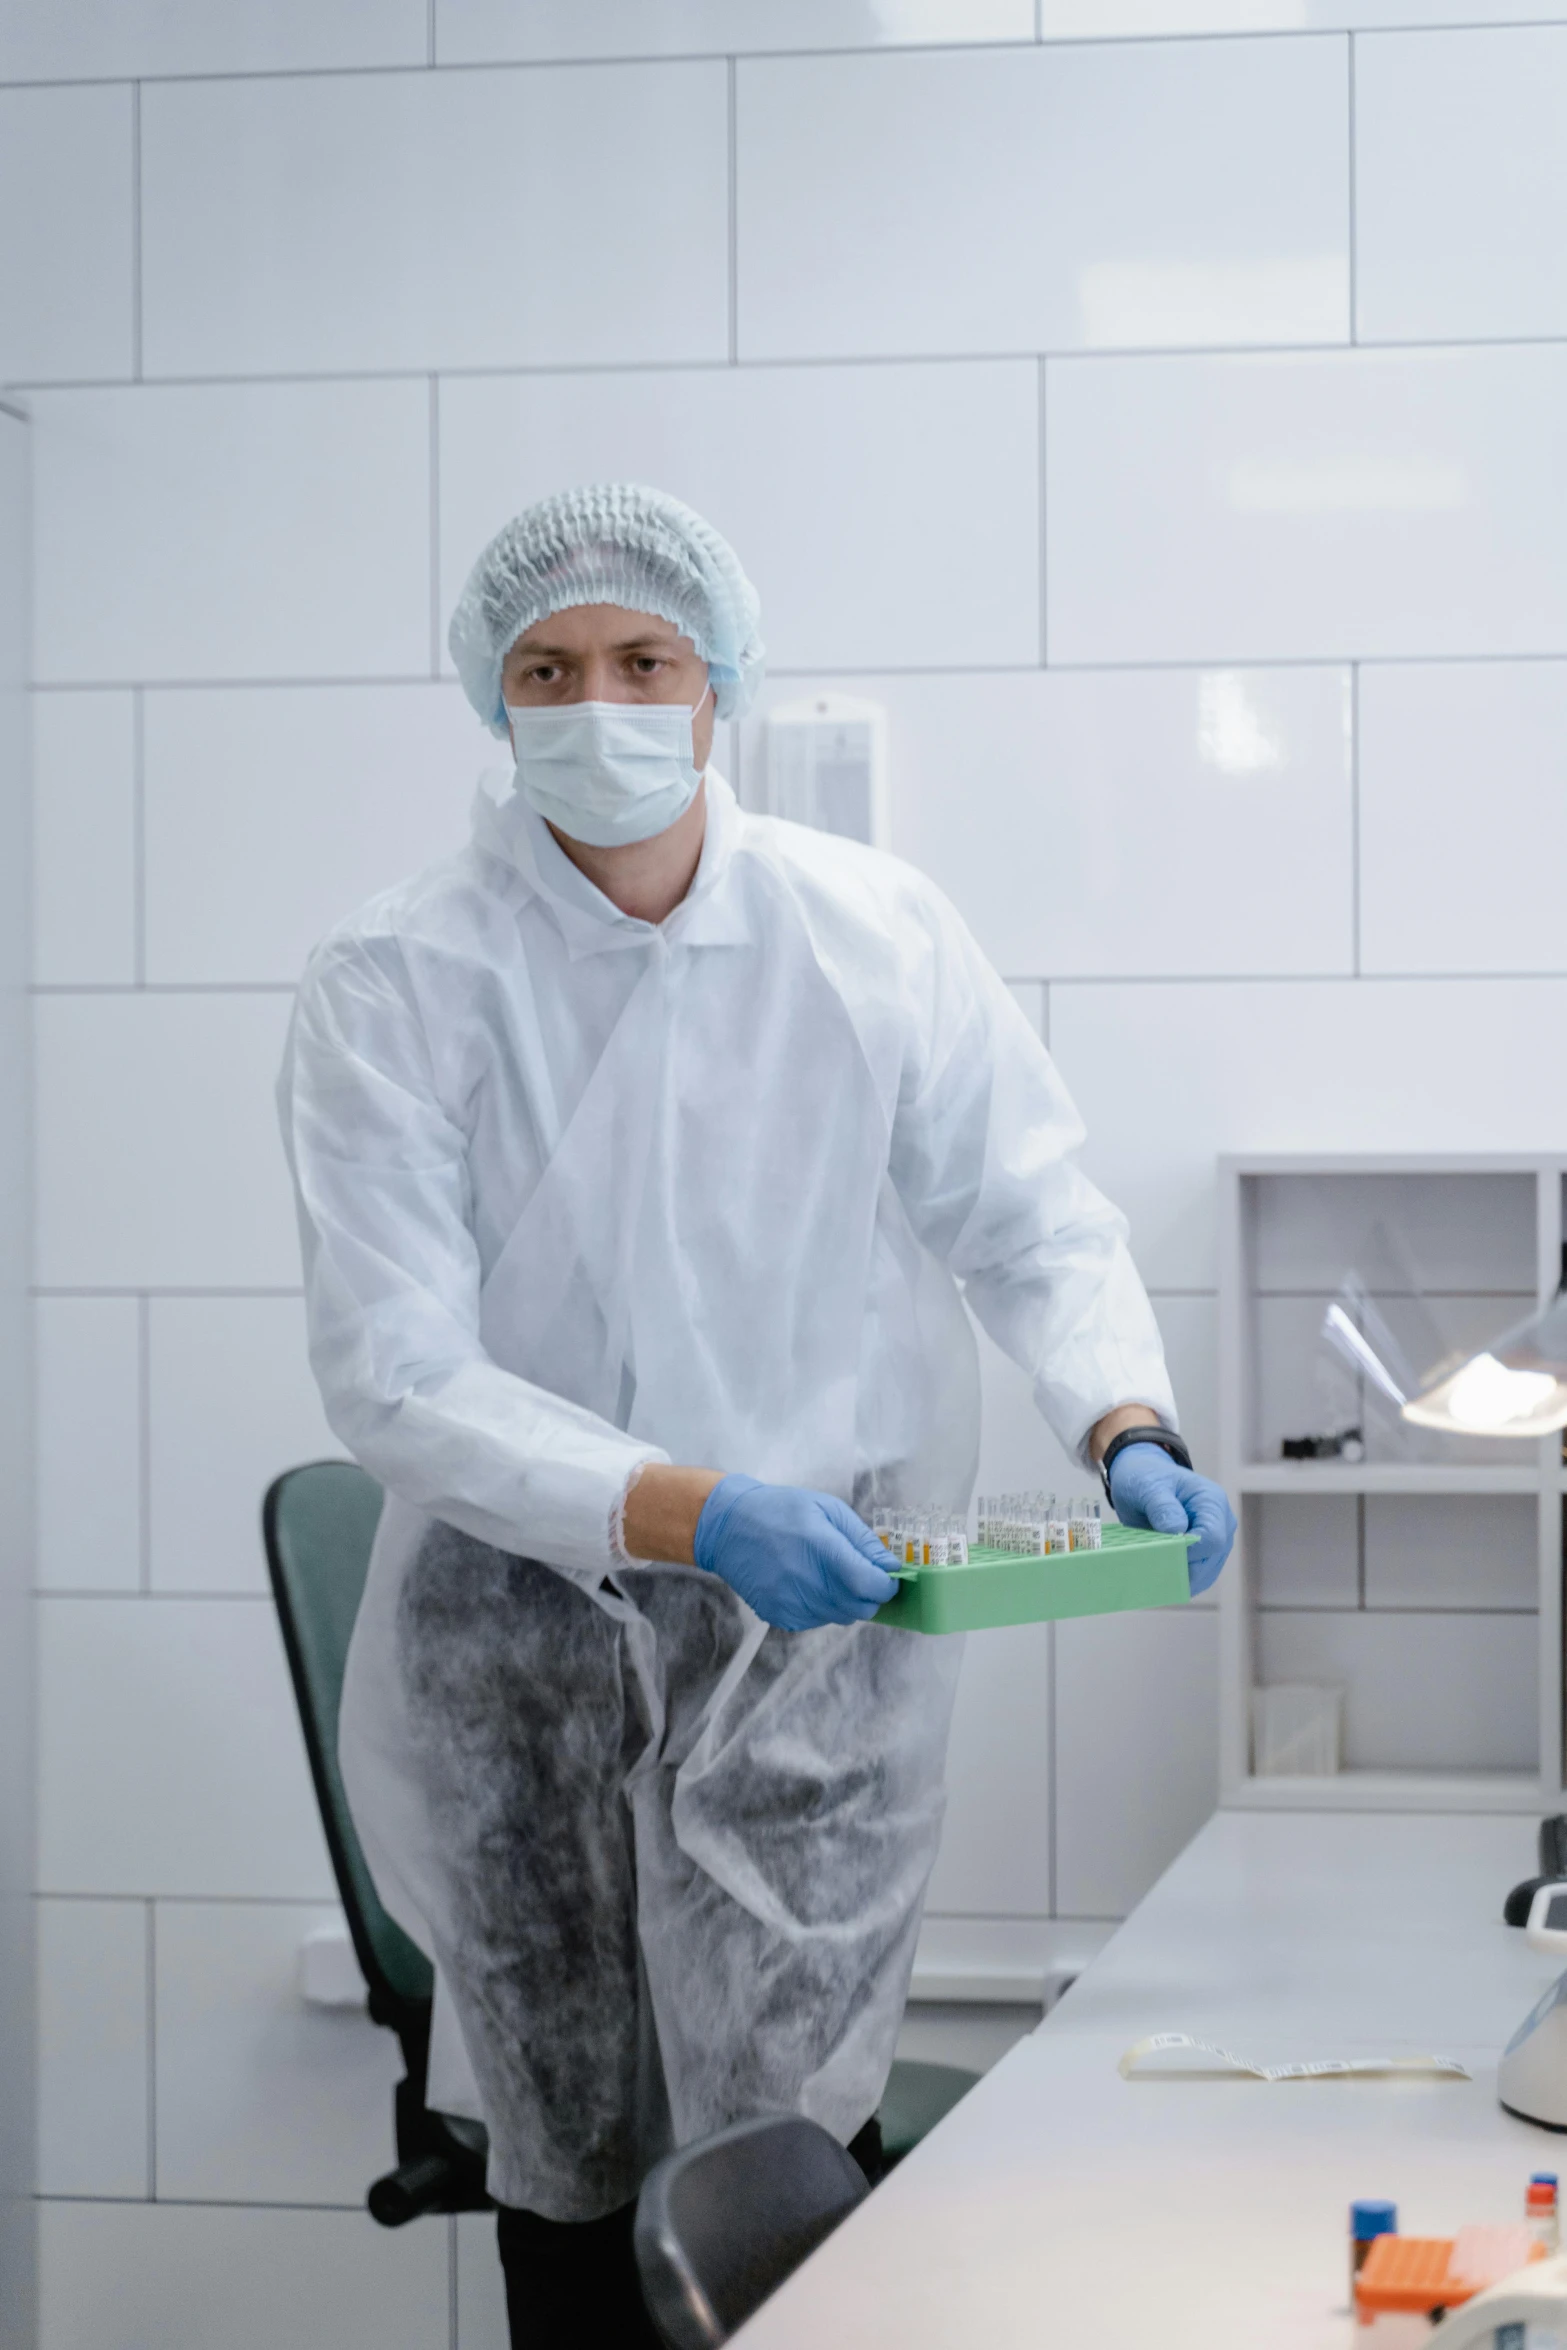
[1158,404]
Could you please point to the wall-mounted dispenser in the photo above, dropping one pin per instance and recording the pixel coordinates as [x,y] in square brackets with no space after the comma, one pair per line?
[826,765]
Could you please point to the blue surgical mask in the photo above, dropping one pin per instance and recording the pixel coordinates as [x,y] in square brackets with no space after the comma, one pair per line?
[607,772]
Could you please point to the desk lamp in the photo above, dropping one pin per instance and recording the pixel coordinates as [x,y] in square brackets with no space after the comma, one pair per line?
[1515,1386]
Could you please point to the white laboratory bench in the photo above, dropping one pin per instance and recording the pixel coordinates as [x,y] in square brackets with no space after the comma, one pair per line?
[1061,2205]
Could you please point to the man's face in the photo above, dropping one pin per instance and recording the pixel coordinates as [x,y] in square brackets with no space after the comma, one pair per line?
[601,653]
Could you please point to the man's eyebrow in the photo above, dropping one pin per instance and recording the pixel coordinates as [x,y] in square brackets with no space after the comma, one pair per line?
[533,650]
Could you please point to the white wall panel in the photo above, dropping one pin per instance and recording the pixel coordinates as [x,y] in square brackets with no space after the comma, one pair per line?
[1461,184]
[1137,1762]
[1304,1549]
[66,262]
[269,209]
[847,493]
[328,794]
[481,2288]
[1463,1551]
[1324,1065]
[94,40]
[159,1162]
[1125,824]
[995,1843]
[161,2276]
[468,31]
[1309,507]
[93,2052]
[233,531]
[170,1759]
[1058,200]
[231,1405]
[1069,20]
[1463,816]
[1421,1692]
[89,1417]
[84,839]
[261,2098]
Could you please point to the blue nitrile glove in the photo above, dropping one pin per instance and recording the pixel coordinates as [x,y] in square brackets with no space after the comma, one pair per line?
[1150,1489]
[799,1558]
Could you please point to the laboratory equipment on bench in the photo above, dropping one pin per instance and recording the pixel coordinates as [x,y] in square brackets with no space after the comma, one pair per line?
[1526,2311]
[1439,2289]
[1532,2081]
[826,765]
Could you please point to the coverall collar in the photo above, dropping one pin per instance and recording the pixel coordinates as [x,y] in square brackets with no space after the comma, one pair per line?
[708,915]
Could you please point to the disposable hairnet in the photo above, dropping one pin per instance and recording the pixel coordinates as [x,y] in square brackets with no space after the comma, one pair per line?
[611,543]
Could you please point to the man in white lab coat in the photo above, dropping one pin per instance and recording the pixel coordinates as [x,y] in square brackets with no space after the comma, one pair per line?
[647,1153]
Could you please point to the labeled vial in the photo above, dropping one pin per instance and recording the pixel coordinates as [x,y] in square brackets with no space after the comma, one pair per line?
[882,1528]
[936,1548]
[1367,2221]
[1093,1528]
[1058,1528]
[957,1543]
[1540,2211]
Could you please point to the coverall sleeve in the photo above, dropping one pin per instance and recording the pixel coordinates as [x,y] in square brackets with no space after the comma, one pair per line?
[984,1147]
[392,1288]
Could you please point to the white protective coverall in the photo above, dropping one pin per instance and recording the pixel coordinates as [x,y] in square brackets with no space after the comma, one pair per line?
[579,1193]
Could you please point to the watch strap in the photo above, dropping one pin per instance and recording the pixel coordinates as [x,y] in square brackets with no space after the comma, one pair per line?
[1165,1438]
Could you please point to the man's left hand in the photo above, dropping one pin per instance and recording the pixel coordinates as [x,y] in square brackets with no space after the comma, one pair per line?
[1150,1489]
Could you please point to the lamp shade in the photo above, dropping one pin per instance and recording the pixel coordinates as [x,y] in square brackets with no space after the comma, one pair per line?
[1515,1386]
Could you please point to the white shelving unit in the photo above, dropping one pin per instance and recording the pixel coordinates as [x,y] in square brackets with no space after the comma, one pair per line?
[1484,1236]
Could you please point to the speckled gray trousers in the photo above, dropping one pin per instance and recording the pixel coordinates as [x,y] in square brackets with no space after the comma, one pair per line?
[654,1928]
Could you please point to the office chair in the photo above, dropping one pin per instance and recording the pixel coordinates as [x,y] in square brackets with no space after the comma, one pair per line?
[720,2224]
[318,1523]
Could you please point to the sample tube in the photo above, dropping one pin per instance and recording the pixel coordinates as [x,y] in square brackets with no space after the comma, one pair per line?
[1540,2209]
[1058,1528]
[957,1542]
[936,1550]
[1367,2221]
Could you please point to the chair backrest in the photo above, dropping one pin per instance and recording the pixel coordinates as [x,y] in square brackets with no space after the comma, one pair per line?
[721,2224]
[318,1523]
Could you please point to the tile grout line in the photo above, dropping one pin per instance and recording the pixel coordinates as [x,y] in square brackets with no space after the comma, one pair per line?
[144,1440]
[435,524]
[429,32]
[732,86]
[1044,1013]
[139,835]
[1354,271]
[136,303]
[152,2050]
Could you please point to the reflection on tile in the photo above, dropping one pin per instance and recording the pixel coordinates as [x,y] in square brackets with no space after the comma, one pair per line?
[231,1405]
[269,207]
[92,2048]
[1137,1751]
[845,491]
[480,32]
[1463,820]
[1427,1231]
[325,487]
[1058,200]
[170,1759]
[1125,824]
[154,2274]
[1463,1551]
[1377,503]
[159,1164]
[995,1841]
[1461,184]
[332,794]
[1331,1065]
[1421,1692]
[261,2098]
[66,263]
[89,1406]
[84,840]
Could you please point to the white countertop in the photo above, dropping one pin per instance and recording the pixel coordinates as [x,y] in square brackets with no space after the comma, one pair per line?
[1061,2205]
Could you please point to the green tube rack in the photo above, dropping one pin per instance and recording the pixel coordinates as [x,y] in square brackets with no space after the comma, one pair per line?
[1134,1569]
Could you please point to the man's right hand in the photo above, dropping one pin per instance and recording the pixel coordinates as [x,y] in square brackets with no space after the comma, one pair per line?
[797,1557]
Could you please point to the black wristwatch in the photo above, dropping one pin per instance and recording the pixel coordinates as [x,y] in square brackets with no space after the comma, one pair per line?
[1165,1438]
